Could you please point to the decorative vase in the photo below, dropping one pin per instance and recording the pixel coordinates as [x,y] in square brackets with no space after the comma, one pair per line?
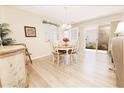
[66,44]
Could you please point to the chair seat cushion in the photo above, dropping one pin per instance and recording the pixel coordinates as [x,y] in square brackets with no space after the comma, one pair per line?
[60,53]
[72,52]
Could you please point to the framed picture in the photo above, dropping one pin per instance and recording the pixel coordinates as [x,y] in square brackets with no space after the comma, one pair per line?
[30,31]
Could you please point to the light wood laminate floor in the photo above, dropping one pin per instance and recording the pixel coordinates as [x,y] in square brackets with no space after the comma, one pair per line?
[91,70]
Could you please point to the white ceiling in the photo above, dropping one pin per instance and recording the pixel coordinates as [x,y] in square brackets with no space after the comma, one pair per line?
[74,13]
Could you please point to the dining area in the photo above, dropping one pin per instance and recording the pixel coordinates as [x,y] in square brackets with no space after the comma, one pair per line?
[65,51]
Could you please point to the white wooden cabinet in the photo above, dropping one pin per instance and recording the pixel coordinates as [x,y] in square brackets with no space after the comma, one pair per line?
[12,66]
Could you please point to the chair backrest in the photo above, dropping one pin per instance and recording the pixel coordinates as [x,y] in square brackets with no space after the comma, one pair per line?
[54,46]
[76,46]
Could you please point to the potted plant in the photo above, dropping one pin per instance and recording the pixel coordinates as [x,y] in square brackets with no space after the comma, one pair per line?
[4,33]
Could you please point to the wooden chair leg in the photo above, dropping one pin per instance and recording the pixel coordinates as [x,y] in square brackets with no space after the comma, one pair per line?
[71,58]
[58,59]
[53,59]
[76,58]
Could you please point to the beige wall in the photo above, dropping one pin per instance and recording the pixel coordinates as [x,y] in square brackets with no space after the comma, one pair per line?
[18,19]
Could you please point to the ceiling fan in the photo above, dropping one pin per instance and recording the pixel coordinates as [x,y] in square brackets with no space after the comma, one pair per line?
[51,23]
[63,26]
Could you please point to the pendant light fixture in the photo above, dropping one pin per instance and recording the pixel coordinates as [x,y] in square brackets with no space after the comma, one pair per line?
[66,26]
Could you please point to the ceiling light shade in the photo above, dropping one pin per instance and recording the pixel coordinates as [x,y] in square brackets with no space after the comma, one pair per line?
[66,26]
[120,28]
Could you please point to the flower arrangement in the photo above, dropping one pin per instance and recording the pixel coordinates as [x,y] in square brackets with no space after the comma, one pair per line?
[66,40]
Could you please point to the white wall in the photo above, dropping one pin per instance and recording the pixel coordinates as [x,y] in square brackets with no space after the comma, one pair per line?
[95,23]
[18,19]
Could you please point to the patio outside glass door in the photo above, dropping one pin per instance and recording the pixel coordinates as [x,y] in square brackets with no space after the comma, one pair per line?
[91,39]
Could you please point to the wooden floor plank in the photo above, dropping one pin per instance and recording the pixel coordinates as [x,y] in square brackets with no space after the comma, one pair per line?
[91,70]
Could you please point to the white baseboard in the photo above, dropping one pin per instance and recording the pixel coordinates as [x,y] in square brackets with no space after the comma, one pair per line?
[40,57]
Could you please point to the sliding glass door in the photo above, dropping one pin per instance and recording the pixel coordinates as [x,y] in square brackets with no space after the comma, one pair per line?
[98,39]
[103,37]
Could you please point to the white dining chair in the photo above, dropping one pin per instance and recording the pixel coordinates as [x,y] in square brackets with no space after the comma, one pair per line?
[74,52]
[57,55]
